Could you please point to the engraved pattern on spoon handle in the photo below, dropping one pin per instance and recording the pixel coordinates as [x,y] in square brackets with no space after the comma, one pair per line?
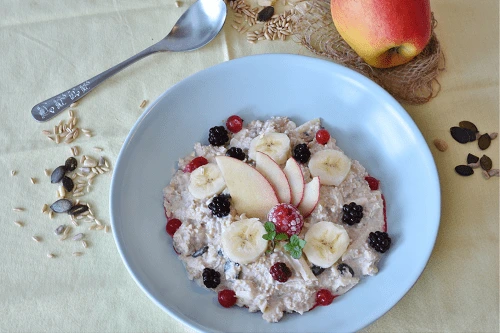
[51,107]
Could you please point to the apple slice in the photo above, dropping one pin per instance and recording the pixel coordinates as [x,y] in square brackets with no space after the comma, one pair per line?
[295,178]
[273,173]
[311,197]
[250,191]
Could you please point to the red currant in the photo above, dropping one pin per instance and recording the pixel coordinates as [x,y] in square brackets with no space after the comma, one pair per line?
[227,298]
[372,182]
[322,136]
[234,124]
[195,164]
[324,297]
[172,226]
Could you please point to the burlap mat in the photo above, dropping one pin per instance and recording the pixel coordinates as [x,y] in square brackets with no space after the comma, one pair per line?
[414,82]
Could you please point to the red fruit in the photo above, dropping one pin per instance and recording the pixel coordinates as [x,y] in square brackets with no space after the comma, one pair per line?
[195,164]
[234,124]
[280,272]
[227,298]
[384,229]
[286,218]
[322,136]
[324,297]
[172,226]
[372,182]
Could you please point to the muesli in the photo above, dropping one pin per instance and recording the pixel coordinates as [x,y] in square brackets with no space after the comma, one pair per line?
[275,217]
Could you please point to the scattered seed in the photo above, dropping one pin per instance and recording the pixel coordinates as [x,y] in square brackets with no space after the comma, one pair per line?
[78,209]
[67,230]
[51,215]
[493,135]
[89,162]
[486,163]
[84,130]
[19,224]
[464,170]
[74,104]
[77,254]
[472,158]
[18,209]
[85,244]
[58,138]
[474,165]
[58,174]
[51,255]
[71,113]
[106,229]
[460,134]
[88,135]
[47,172]
[93,226]
[51,138]
[36,239]
[70,164]
[468,125]
[265,14]
[61,206]
[33,180]
[494,173]
[78,194]
[99,227]
[144,102]
[13,172]
[68,183]
[91,175]
[484,141]
[82,159]
[63,237]
[78,237]
[98,149]
[60,229]
[47,132]
[75,223]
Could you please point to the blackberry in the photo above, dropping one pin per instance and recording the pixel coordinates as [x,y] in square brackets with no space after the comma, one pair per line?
[220,206]
[236,153]
[343,268]
[280,272]
[379,241]
[317,270]
[301,153]
[352,213]
[217,136]
[211,278]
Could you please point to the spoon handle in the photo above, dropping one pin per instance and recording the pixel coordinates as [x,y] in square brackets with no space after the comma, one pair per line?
[50,108]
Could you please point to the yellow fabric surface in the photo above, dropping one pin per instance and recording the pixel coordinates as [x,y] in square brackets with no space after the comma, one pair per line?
[49,46]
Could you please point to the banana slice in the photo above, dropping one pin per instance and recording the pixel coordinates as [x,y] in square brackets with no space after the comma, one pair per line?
[325,243]
[242,241]
[330,165]
[276,145]
[206,181]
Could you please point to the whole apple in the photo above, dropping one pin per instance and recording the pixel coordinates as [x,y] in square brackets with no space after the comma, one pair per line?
[385,33]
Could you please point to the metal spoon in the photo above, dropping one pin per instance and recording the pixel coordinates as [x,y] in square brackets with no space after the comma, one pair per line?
[199,24]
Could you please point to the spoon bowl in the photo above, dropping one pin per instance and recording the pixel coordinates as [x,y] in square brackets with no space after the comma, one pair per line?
[199,24]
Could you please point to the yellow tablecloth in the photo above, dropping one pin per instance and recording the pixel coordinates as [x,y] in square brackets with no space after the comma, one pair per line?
[49,46]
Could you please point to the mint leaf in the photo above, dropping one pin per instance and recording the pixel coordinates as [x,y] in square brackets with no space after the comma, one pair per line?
[281,236]
[269,226]
[295,246]
[267,237]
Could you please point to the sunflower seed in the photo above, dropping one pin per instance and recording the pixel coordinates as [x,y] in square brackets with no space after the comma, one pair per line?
[85,244]
[99,227]
[464,170]
[78,209]
[19,223]
[51,255]
[18,209]
[472,158]
[61,192]
[47,172]
[13,172]
[77,254]
[51,215]
[61,206]
[93,226]
[58,174]
[493,135]
[68,183]
[88,135]
[84,130]
[97,222]
[60,229]
[78,237]
[89,162]
[82,159]
[98,149]
[486,163]
[47,132]
[78,194]
[494,173]
[67,230]
[106,229]
[33,180]
[484,141]
[36,239]
[74,104]
[474,165]
[63,237]
[144,102]
[102,161]
[58,138]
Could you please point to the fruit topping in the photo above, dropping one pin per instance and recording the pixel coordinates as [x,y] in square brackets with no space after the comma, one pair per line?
[301,153]
[344,268]
[286,218]
[322,136]
[374,183]
[227,298]
[280,272]
[220,206]
[236,153]
[206,181]
[195,164]
[324,297]
[325,243]
[352,213]
[379,241]
[274,175]
[276,145]
[234,124]
[217,136]
[242,241]
[330,165]
[172,226]
[211,278]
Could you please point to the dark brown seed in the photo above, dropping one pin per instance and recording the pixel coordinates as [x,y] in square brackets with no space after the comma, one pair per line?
[61,206]
[484,141]
[460,134]
[71,164]
[464,170]
[468,125]
[472,135]
[78,209]
[68,183]
[57,174]
[486,163]
[472,159]
[265,14]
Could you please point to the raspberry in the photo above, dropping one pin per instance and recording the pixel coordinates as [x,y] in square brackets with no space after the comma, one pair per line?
[372,182]
[234,124]
[322,136]
[301,153]
[379,241]
[227,298]
[324,297]
[172,226]
[211,278]
[217,136]
[195,164]
[280,272]
[286,218]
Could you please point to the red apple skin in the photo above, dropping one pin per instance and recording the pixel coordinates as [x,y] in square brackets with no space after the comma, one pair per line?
[385,33]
